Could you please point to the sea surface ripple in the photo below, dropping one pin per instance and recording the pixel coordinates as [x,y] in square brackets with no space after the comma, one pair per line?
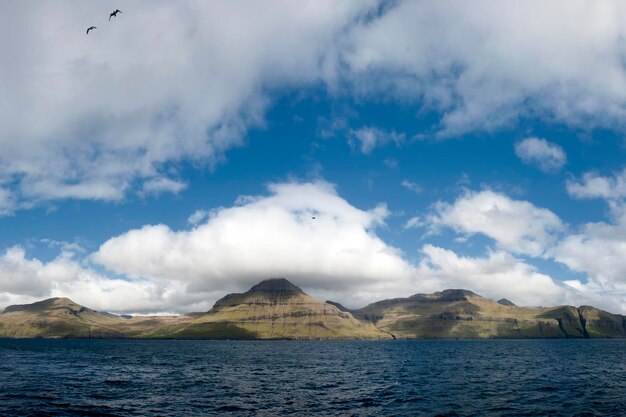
[335,378]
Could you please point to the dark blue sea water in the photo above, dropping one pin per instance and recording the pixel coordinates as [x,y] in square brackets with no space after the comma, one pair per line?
[271,378]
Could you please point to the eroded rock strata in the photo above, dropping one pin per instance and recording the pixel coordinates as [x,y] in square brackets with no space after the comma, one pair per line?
[277,309]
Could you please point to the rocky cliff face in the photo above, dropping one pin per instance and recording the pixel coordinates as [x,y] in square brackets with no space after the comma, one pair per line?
[597,323]
[277,309]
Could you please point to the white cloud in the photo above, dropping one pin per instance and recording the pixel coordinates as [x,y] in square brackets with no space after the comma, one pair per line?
[594,185]
[372,137]
[338,255]
[411,186]
[499,274]
[598,250]
[415,222]
[21,276]
[24,280]
[94,116]
[197,216]
[160,185]
[485,64]
[515,225]
[546,156]
[268,236]
[6,202]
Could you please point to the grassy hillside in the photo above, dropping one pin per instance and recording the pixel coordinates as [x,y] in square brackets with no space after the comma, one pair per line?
[464,314]
[277,309]
[57,317]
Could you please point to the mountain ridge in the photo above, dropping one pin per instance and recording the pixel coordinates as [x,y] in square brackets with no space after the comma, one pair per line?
[277,309]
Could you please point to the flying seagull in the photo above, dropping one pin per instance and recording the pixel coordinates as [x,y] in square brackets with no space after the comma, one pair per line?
[91,28]
[114,14]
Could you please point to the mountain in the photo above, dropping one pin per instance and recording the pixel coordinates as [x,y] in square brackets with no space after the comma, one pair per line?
[278,309]
[464,314]
[506,302]
[56,317]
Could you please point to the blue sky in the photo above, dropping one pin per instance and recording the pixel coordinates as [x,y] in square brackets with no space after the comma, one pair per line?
[156,172]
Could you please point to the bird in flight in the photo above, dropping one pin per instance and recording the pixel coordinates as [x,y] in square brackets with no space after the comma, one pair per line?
[91,28]
[114,14]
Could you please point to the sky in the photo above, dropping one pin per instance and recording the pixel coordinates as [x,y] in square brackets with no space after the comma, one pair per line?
[361,149]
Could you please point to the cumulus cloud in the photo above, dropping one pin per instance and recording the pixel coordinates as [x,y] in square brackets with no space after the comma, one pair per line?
[499,274]
[600,251]
[303,231]
[96,117]
[24,280]
[267,236]
[368,138]
[91,117]
[486,64]
[515,225]
[546,156]
[337,255]
[496,275]
[599,248]
[593,185]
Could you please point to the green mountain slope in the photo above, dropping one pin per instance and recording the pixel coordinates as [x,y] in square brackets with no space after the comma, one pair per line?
[464,314]
[57,317]
[277,309]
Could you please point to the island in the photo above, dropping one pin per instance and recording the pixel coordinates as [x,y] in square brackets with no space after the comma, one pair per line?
[277,309]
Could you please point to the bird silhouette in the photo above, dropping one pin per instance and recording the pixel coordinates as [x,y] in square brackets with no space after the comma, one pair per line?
[114,14]
[91,28]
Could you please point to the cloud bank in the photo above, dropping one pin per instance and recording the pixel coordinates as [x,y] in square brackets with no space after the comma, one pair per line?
[114,112]
[515,225]
[98,116]
[308,233]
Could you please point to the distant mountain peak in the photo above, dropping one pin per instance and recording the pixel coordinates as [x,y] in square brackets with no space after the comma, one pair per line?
[275,285]
[449,295]
[50,303]
[271,290]
[339,306]
[506,302]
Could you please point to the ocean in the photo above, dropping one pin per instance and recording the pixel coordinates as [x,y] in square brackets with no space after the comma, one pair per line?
[335,378]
